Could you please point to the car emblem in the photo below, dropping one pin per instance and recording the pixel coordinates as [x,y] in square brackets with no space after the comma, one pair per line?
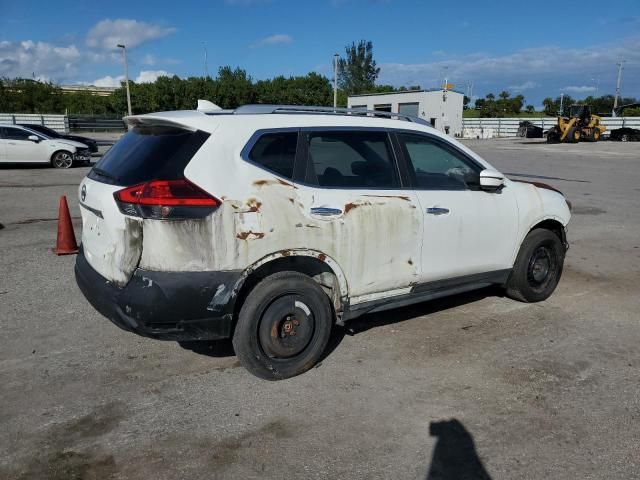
[83,193]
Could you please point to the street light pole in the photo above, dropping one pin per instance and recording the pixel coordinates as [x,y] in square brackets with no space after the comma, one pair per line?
[126,75]
[206,67]
[335,80]
[615,100]
[561,99]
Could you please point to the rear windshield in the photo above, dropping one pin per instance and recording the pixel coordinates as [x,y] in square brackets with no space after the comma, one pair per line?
[148,153]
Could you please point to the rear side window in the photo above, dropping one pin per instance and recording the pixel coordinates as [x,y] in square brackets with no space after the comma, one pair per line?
[351,159]
[148,153]
[276,152]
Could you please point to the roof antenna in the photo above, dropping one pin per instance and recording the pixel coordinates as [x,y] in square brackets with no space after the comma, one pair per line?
[207,106]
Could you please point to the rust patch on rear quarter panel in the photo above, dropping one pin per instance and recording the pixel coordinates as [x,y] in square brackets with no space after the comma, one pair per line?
[245,235]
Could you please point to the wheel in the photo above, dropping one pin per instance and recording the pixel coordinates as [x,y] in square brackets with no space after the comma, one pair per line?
[624,138]
[538,267]
[62,159]
[596,135]
[283,326]
[574,135]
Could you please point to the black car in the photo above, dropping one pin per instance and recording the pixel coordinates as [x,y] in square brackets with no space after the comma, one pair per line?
[625,134]
[529,130]
[49,132]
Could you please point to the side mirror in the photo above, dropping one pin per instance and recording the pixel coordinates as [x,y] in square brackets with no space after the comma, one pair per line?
[491,180]
[34,138]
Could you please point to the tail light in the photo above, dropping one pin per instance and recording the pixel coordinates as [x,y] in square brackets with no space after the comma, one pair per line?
[166,200]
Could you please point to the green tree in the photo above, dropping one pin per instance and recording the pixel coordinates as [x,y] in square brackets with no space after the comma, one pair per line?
[530,109]
[357,73]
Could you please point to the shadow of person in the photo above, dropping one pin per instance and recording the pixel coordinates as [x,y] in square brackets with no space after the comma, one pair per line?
[454,456]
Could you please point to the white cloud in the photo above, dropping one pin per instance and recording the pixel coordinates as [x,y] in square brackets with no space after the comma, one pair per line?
[108,81]
[149,76]
[145,76]
[107,34]
[549,67]
[45,60]
[273,40]
[528,85]
[580,89]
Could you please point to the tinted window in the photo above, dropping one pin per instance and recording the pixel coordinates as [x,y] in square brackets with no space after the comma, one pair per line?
[276,152]
[147,153]
[438,166]
[351,159]
[16,134]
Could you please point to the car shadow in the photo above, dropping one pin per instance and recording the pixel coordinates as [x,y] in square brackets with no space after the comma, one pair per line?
[454,455]
[224,348]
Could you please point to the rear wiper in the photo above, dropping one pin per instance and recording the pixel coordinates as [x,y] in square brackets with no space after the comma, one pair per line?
[104,174]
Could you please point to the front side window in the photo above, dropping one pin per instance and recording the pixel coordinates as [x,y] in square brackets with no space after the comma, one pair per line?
[438,166]
[16,134]
[276,152]
[351,159]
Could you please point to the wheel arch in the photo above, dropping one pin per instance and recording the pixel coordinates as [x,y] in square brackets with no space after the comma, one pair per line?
[55,152]
[317,265]
[554,226]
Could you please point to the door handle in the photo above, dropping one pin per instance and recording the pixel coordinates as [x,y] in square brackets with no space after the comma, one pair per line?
[437,211]
[326,211]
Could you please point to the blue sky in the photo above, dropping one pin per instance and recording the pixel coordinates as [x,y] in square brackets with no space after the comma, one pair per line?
[536,51]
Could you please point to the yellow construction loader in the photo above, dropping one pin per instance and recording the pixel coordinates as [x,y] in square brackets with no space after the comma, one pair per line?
[580,125]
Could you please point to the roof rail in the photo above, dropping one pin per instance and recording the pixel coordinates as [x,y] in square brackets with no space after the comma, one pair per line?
[258,109]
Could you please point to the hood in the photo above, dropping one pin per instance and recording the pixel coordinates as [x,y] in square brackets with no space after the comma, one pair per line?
[71,143]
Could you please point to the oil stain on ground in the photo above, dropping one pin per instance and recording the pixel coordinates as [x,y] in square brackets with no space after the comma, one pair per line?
[61,455]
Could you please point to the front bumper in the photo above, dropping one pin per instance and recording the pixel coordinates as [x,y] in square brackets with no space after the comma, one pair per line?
[83,156]
[163,305]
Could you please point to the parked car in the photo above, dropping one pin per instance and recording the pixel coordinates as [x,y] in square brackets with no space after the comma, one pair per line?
[23,145]
[51,133]
[529,130]
[270,224]
[625,134]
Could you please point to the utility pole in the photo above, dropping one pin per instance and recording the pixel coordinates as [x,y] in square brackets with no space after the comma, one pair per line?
[615,100]
[561,99]
[335,80]
[126,76]
[206,67]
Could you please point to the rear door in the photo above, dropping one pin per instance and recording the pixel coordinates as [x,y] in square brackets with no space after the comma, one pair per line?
[371,219]
[3,156]
[111,239]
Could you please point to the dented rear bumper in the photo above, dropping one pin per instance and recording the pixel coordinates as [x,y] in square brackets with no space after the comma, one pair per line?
[176,306]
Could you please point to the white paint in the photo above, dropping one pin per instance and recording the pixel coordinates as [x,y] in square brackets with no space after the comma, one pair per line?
[302,307]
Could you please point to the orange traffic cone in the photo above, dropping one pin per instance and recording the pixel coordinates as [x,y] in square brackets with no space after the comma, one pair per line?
[66,243]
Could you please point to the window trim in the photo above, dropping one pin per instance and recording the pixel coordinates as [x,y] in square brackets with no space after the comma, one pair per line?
[304,133]
[440,142]
[246,150]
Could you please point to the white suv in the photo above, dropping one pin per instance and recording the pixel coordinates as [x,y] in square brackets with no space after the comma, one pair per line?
[268,224]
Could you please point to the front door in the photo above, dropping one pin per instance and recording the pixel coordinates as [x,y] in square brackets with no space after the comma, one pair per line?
[466,230]
[371,222]
[18,147]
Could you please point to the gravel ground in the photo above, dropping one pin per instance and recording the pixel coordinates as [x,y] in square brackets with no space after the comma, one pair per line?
[475,385]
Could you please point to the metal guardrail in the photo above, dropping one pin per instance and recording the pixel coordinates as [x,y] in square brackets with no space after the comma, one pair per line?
[56,122]
[82,123]
[508,127]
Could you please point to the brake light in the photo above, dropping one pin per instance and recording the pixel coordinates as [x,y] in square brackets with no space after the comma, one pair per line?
[165,199]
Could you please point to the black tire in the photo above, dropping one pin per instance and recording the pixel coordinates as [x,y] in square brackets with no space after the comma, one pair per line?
[538,267]
[595,136]
[62,159]
[574,135]
[283,327]
[624,138]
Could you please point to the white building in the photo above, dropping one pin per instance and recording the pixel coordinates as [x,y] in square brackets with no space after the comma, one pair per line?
[441,108]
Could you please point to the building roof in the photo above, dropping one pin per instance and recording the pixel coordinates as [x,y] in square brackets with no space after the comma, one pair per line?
[427,90]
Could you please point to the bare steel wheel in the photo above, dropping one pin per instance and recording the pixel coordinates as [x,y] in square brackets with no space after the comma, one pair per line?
[283,326]
[62,159]
[538,267]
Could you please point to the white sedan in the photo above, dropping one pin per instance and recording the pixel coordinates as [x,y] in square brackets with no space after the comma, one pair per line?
[23,145]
